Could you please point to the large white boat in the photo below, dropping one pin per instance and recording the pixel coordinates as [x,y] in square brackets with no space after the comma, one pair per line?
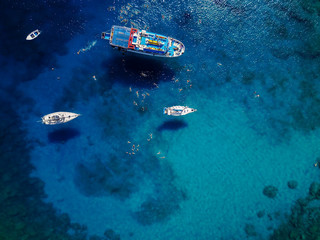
[33,35]
[58,117]
[143,42]
[178,110]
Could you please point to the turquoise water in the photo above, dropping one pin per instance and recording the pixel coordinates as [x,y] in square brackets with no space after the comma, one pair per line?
[251,68]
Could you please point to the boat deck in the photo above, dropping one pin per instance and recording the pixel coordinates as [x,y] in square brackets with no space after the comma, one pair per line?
[120,36]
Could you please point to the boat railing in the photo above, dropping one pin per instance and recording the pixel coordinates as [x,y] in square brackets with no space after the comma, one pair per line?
[132,32]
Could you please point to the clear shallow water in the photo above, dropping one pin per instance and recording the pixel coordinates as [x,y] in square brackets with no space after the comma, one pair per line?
[246,69]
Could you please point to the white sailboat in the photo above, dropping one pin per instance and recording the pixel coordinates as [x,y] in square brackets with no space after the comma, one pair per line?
[178,110]
[58,117]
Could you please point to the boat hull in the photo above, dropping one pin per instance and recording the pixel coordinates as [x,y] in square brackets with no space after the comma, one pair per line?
[58,118]
[148,54]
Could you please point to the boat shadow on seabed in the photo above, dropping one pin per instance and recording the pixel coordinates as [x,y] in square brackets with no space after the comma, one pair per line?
[63,135]
[138,71]
[172,125]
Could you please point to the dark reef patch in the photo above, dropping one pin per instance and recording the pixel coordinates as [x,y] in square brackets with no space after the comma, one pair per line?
[235,10]
[220,3]
[306,113]
[184,19]
[82,87]
[261,213]
[121,177]
[292,184]
[282,53]
[184,16]
[63,135]
[154,210]
[159,207]
[111,235]
[138,71]
[172,125]
[250,230]
[304,219]
[166,197]
[270,191]
[314,190]
[248,77]
[112,176]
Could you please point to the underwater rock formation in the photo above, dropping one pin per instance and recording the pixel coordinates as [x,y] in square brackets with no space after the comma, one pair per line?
[304,220]
[185,18]
[166,197]
[314,190]
[112,177]
[270,191]
[261,213]
[111,235]
[250,230]
[156,210]
[292,184]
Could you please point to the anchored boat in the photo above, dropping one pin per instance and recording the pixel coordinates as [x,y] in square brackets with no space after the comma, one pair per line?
[178,110]
[58,117]
[33,35]
[143,42]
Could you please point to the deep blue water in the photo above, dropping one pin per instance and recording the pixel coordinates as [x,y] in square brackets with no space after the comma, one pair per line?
[252,70]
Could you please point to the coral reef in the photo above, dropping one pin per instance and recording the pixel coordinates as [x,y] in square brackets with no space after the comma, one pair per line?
[111,235]
[120,178]
[154,210]
[304,220]
[314,190]
[112,176]
[270,191]
[292,184]
[166,197]
[250,230]
[261,213]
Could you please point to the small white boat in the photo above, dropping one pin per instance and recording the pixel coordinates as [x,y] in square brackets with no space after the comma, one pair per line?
[33,35]
[178,110]
[58,117]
